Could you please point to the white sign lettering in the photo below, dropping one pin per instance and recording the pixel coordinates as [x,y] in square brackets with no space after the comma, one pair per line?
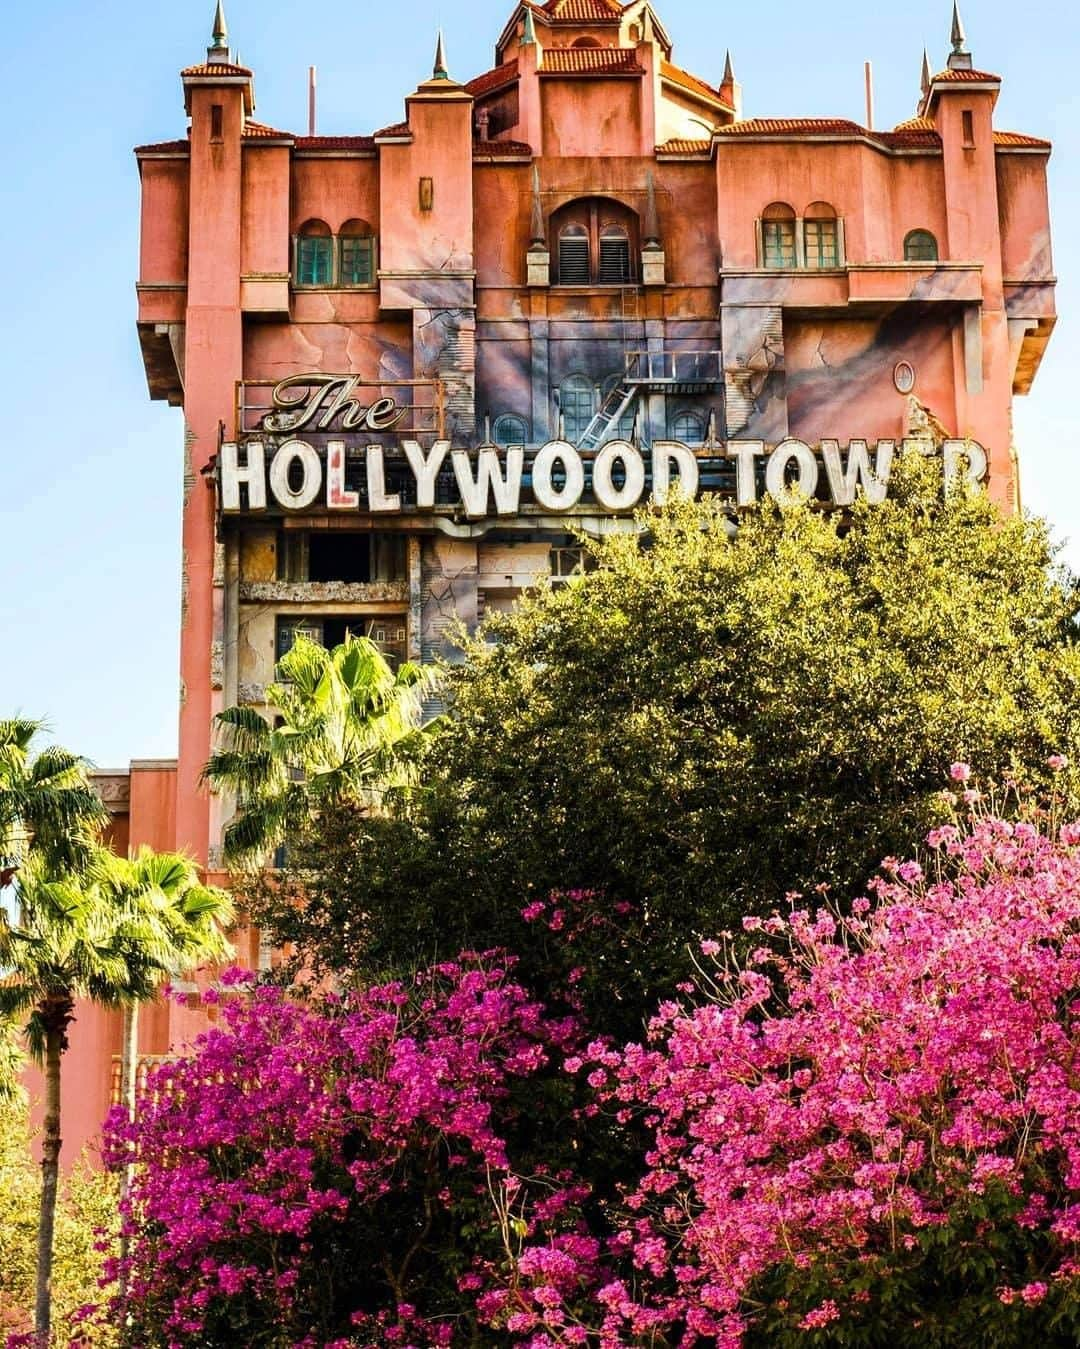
[496,482]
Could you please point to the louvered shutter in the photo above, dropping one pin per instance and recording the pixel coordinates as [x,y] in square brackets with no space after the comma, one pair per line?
[574,260]
[614,260]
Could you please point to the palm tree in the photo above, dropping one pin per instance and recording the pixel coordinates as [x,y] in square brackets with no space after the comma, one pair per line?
[71,939]
[192,919]
[46,801]
[345,725]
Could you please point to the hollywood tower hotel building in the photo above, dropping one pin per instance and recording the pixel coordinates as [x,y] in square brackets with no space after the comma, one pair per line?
[413,362]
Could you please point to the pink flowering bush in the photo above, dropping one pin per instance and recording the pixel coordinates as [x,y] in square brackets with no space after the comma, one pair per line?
[867,1135]
[307,1178]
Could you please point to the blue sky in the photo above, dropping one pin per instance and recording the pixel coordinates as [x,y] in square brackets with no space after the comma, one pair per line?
[90,505]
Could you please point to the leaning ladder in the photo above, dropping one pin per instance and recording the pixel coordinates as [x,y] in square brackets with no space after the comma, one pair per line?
[618,400]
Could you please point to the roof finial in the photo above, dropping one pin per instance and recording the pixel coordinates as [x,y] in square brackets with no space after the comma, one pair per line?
[440,72]
[959,57]
[652,215]
[958,35]
[221,30]
[528,32]
[729,69]
[538,234]
[927,73]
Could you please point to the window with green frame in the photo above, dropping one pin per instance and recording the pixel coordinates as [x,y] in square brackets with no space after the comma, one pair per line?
[920,246]
[821,236]
[778,236]
[357,254]
[314,255]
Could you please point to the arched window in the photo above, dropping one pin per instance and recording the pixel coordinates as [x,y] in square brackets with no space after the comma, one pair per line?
[821,234]
[510,429]
[598,241]
[778,235]
[688,427]
[920,246]
[314,255]
[577,403]
[356,251]
[585,42]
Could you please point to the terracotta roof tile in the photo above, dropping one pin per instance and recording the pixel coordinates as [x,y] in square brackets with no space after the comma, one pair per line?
[259,131]
[163,147]
[786,126]
[398,129]
[493,80]
[677,146]
[917,124]
[335,143]
[500,149]
[215,68]
[966,77]
[583,11]
[1018,138]
[688,81]
[591,61]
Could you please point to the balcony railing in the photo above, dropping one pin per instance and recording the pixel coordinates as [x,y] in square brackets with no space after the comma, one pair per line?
[677,371]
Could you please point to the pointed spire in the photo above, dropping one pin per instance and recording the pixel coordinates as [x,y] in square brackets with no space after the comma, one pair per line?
[440,72]
[528,32]
[538,236]
[960,57]
[927,73]
[730,88]
[652,215]
[221,29]
[959,37]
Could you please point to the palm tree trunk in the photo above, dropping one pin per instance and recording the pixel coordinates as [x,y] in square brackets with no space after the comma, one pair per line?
[50,1174]
[129,1074]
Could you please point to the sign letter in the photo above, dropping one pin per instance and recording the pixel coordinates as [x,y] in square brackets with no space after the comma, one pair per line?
[253,473]
[626,497]
[338,496]
[548,497]
[776,470]
[844,483]
[379,500]
[964,458]
[489,477]
[746,453]
[296,451]
[664,454]
[425,469]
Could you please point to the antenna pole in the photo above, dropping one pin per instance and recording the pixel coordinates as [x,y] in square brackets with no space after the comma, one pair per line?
[312,91]
[869,96]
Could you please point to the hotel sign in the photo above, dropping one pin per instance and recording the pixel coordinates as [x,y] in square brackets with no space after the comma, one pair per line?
[294,476]
[313,449]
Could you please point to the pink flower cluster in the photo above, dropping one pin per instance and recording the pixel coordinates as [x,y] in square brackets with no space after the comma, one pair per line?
[848,1089]
[290,1116]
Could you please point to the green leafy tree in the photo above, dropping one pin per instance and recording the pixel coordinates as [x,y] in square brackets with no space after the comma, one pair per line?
[86,1214]
[706,721]
[71,939]
[344,725]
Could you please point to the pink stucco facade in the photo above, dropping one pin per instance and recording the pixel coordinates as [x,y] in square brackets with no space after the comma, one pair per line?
[585,217]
